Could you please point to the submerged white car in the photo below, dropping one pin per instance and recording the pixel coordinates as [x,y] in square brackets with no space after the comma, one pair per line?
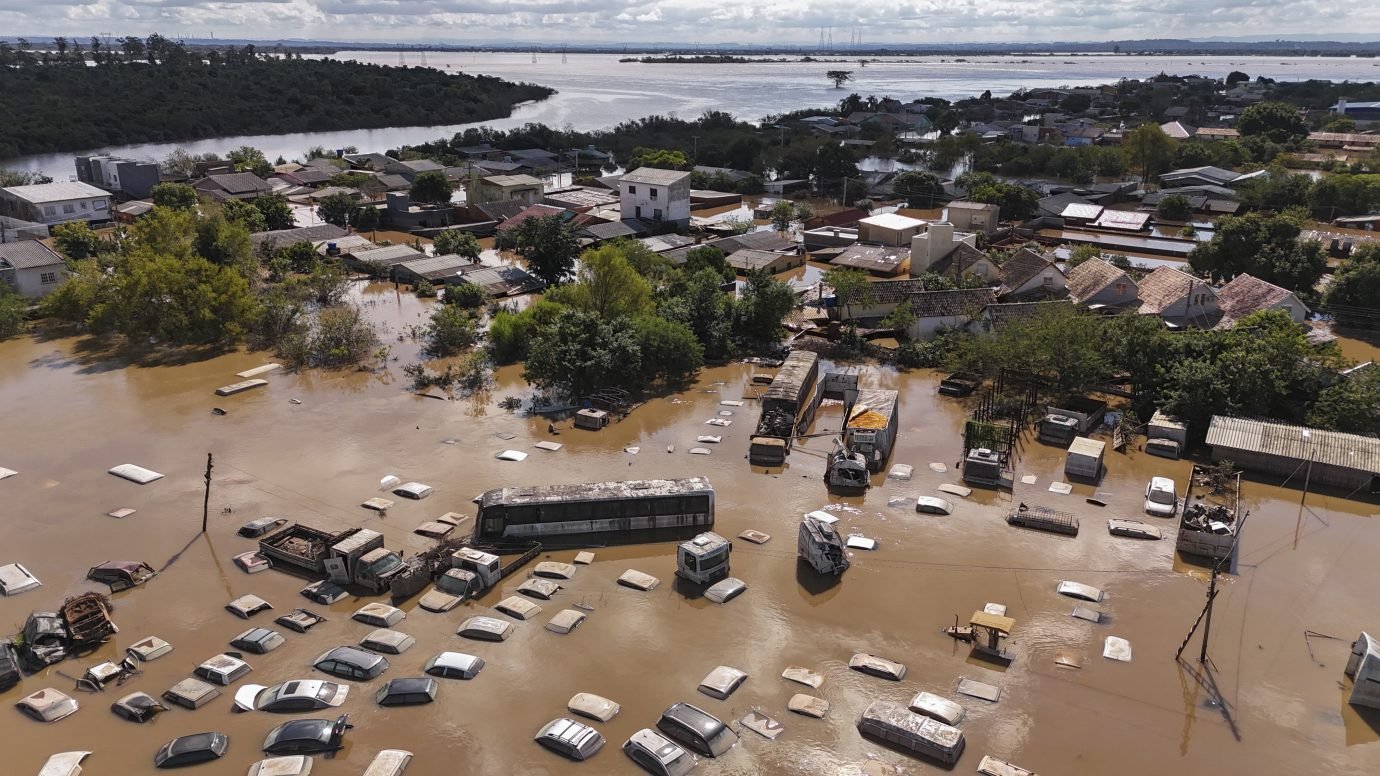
[1161,497]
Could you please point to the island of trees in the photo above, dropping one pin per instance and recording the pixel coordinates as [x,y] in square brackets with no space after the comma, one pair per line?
[138,90]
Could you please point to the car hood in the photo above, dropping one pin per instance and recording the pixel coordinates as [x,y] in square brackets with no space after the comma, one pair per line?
[437,600]
[1156,508]
[246,695]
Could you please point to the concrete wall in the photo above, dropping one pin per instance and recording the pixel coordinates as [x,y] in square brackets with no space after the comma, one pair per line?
[925,328]
[1322,474]
[643,200]
[38,281]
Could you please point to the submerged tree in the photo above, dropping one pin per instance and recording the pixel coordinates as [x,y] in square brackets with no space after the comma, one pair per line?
[839,77]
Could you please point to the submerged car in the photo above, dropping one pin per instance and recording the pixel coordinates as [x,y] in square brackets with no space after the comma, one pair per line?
[222,670]
[725,590]
[259,641]
[308,736]
[121,574]
[1079,590]
[9,666]
[192,750]
[409,691]
[572,739]
[379,615]
[351,663]
[454,665]
[324,592]
[292,765]
[256,528]
[289,697]
[697,729]
[1161,497]
[48,705]
[137,707]
[657,754]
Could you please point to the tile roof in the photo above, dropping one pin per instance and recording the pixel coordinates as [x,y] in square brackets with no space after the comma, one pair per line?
[1092,276]
[609,230]
[501,210]
[952,303]
[748,259]
[39,193]
[1023,266]
[422,165]
[895,291]
[239,182]
[1164,287]
[655,177]
[1002,313]
[28,254]
[392,181]
[534,211]
[1295,443]
[886,259]
[1246,294]
[962,258]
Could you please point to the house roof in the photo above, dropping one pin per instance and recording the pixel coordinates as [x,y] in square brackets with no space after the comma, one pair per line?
[1216,132]
[28,254]
[1003,313]
[1296,443]
[511,180]
[307,176]
[1177,130]
[1055,204]
[238,182]
[350,243]
[136,207]
[609,230]
[896,291]
[422,165]
[1092,276]
[39,193]
[748,259]
[391,181]
[500,167]
[503,280]
[532,211]
[1125,220]
[963,256]
[1023,266]
[893,221]
[1078,210]
[284,237]
[539,155]
[847,217]
[728,172]
[1208,173]
[1246,294]
[960,204]
[436,267]
[1164,287]
[951,303]
[873,258]
[581,197]
[655,177]
[502,210]
[388,255]
[666,242]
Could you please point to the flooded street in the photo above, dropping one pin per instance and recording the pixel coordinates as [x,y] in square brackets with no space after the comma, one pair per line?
[72,415]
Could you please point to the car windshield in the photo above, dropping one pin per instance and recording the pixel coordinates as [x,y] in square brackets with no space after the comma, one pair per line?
[723,741]
[1162,496]
[385,564]
[326,692]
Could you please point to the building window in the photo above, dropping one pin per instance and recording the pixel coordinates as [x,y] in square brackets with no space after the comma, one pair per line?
[652,193]
[84,206]
[657,214]
[49,210]
[1120,289]
[1048,280]
[632,189]
[69,208]
[48,277]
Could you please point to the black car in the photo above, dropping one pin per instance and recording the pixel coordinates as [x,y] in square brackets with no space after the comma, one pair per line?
[308,736]
[9,666]
[352,663]
[192,750]
[696,729]
[256,528]
[407,692]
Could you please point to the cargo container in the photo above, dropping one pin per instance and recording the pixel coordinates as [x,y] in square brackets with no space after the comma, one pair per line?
[871,426]
[786,409]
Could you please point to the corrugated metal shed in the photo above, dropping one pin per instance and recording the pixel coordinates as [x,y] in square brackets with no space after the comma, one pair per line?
[1296,443]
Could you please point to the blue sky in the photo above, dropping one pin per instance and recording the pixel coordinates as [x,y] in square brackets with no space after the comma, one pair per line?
[688,21]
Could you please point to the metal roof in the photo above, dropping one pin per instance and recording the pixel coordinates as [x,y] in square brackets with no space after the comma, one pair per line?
[655,177]
[433,267]
[894,221]
[393,254]
[1350,451]
[28,254]
[596,491]
[39,193]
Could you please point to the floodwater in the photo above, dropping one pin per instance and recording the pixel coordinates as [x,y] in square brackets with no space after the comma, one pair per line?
[74,414]
[596,91]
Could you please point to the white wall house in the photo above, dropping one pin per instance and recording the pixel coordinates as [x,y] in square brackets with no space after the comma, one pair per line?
[31,268]
[56,203]
[650,194]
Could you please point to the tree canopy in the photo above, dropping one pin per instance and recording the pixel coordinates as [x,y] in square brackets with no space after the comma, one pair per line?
[547,243]
[1276,121]
[432,187]
[457,242]
[1266,246]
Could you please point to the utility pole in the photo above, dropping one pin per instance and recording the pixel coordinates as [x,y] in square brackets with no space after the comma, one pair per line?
[695,153]
[206,501]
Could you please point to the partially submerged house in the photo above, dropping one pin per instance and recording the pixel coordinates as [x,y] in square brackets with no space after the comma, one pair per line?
[31,268]
[880,260]
[891,229]
[437,270]
[1180,299]
[1333,458]
[498,188]
[936,311]
[1247,294]
[267,242]
[1028,275]
[235,185]
[945,252]
[656,195]
[1098,284]
[973,216]
[994,316]
[748,259]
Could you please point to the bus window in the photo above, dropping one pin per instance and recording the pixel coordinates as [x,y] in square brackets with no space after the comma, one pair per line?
[522,514]
[697,504]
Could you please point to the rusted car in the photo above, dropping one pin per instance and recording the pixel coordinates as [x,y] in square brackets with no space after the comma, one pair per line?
[121,574]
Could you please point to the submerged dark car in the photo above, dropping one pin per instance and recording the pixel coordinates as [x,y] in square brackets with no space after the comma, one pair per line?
[308,736]
[407,692]
[192,750]
[121,574]
[9,666]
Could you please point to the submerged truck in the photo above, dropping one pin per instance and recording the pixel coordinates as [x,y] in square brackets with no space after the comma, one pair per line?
[785,409]
[355,556]
[1072,417]
[871,426]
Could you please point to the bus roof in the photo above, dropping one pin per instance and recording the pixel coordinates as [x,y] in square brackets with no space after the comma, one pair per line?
[595,491]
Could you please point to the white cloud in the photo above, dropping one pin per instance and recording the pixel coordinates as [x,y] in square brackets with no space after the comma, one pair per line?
[690,21]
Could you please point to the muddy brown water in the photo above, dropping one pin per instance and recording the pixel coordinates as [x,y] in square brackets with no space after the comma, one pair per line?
[70,417]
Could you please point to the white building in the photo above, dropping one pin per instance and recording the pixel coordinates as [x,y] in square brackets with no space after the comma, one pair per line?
[651,194]
[31,267]
[56,203]
[891,229]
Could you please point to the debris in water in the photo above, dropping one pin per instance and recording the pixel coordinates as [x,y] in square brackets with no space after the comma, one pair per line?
[258,370]
[860,542]
[898,501]
[1068,661]
[670,448]
[294,401]
[632,450]
[511,455]
[938,467]
[808,705]
[234,388]
[996,609]
[584,558]
[955,490]
[718,422]
[755,536]
[1117,648]
[504,435]
[1029,479]
[699,451]
[762,725]
[377,504]
[6,473]
[709,439]
[217,411]
[901,471]
[1062,488]
[725,413]
[122,512]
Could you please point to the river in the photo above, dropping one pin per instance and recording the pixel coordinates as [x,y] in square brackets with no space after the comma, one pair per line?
[84,411]
[596,91]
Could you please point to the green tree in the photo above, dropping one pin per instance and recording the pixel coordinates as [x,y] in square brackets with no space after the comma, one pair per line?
[607,285]
[765,304]
[432,187]
[510,333]
[454,241]
[1174,207]
[579,353]
[901,318]
[339,337]
[1350,404]
[242,212]
[1353,296]
[1080,254]
[76,240]
[703,306]
[175,195]
[918,189]
[366,218]
[839,77]
[670,351]
[1061,343]
[336,209]
[1340,124]
[250,159]
[450,331]
[659,158]
[1266,246]
[782,214]
[167,231]
[13,309]
[177,301]
[276,212]
[10,178]
[851,286]
[804,211]
[548,244]
[1149,149]
[465,295]
[1276,121]
[711,258]
[300,257]
[224,242]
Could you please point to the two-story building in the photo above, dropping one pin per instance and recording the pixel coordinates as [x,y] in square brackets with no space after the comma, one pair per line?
[653,194]
[498,188]
[51,204]
[133,180]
